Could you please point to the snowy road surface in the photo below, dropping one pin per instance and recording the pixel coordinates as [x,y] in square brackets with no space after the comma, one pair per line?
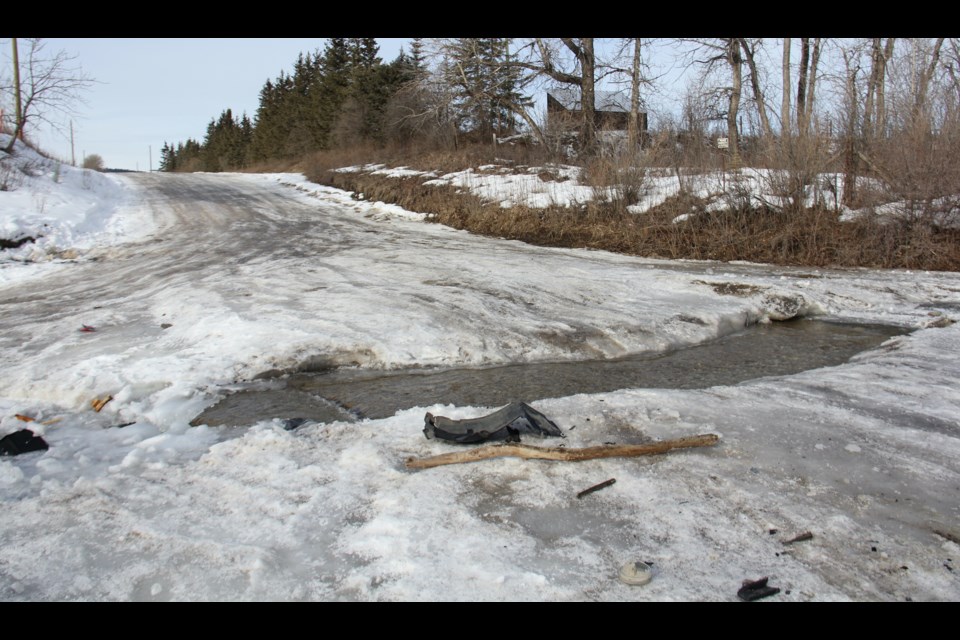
[240,275]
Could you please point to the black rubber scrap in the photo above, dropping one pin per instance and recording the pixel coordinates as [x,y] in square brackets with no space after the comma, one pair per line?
[506,423]
[756,589]
[13,244]
[292,423]
[23,441]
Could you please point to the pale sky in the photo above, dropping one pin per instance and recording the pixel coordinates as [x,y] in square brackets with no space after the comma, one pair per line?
[152,90]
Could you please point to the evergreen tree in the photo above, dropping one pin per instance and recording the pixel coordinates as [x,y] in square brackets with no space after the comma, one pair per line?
[485,84]
[186,157]
[332,88]
[168,158]
[271,128]
[226,144]
[338,96]
[418,56]
[364,52]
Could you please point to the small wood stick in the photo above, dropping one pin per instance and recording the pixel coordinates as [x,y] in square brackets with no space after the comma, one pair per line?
[806,535]
[564,455]
[596,487]
[98,403]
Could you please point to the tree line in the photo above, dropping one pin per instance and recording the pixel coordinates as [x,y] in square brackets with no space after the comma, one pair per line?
[886,107]
[346,95]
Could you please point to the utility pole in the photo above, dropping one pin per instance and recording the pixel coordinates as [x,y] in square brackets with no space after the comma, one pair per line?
[150,151]
[73,154]
[18,124]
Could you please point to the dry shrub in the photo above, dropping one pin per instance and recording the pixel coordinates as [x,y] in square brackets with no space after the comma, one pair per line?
[474,155]
[315,165]
[93,161]
[424,158]
[273,165]
[10,178]
[618,182]
[797,165]
[920,167]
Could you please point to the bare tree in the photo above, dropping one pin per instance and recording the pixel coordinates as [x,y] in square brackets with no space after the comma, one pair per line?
[422,108]
[953,66]
[850,157]
[543,58]
[628,62]
[724,50]
[735,60]
[916,158]
[49,85]
[634,122]
[923,83]
[785,100]
[807,83]
[874,109]
[749,51]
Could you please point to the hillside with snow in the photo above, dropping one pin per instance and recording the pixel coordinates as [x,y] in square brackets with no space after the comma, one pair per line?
[51,211]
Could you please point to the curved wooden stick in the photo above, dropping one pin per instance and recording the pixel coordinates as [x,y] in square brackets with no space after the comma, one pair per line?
[564,455]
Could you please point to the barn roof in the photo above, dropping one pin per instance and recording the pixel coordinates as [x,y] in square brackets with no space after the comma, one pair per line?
[569,98]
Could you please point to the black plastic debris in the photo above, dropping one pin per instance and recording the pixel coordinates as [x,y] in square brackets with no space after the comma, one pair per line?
[505,424]
[23,441]
[292,423]
[756,589]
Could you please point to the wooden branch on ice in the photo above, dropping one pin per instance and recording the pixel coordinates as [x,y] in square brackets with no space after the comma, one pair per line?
[596,487]
[806,535]
[563,455]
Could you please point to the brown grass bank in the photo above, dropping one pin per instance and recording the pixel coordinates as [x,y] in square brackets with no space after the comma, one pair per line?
[814,237]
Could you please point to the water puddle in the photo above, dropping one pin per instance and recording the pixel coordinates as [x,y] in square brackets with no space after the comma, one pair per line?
[776,349]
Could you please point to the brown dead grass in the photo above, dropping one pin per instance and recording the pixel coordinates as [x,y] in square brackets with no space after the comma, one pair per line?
[814,237]
[318,163]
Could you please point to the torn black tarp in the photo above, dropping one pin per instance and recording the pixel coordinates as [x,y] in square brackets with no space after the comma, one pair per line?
[505,424]
[23,441]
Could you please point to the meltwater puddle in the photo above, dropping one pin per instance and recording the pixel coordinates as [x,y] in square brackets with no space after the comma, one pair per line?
[776,349]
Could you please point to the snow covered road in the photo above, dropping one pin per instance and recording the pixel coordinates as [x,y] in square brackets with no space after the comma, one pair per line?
[245,274]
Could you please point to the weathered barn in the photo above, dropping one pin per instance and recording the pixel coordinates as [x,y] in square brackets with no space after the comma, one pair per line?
[611,110]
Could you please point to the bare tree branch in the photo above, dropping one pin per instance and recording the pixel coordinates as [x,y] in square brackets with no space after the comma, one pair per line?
[51,85]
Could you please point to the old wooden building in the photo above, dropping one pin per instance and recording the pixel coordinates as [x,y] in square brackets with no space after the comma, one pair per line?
[611,109]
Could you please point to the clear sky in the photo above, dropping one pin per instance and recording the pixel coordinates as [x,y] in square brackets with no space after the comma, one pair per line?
[152,90]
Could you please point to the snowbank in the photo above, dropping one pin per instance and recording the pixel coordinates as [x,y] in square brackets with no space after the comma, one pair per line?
[65,210]
[254,272]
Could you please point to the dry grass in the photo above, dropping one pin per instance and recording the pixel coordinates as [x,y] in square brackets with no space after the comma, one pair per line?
[812,237]
[426,158]
[276,165]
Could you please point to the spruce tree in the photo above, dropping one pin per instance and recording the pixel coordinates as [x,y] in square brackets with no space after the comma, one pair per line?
[486,86]
[168,159]
[417,56]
